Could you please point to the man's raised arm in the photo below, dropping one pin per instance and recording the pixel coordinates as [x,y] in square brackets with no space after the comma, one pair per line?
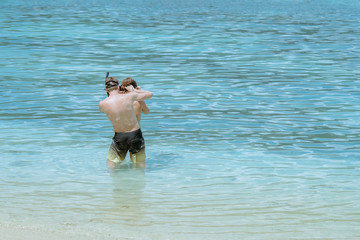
[141,95]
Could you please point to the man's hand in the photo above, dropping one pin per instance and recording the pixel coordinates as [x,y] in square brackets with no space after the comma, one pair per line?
[130,88]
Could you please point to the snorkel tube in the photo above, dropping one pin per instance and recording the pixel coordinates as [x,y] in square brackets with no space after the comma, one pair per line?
[107,74]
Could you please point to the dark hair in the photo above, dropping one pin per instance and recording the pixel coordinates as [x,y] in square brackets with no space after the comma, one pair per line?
[111,83]
[127,82]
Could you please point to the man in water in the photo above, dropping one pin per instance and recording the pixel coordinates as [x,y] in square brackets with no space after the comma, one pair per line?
[119,108]
[139,106]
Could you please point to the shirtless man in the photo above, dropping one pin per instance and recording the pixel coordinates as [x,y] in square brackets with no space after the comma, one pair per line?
[139,106]
[119,108]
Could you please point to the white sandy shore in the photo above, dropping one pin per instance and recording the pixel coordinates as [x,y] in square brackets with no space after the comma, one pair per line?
[47,231]
[18,232]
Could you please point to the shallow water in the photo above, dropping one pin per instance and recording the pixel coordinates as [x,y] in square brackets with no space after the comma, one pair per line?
[254,125]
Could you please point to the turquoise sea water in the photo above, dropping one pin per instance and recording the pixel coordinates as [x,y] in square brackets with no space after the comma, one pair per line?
[253,131]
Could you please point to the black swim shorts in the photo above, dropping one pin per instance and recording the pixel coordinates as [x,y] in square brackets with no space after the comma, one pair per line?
[123,142]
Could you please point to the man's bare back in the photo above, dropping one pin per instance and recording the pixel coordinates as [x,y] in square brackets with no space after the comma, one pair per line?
[119,108]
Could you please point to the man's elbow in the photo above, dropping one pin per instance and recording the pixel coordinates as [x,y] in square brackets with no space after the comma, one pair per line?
[147,95]
[146,111]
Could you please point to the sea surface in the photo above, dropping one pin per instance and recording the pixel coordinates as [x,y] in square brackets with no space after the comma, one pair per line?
[253,131]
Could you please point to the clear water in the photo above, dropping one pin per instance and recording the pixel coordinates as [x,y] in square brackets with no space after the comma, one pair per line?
[254,127]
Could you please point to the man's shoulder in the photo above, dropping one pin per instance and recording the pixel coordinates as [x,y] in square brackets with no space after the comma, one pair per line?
[101,105]
[103,101]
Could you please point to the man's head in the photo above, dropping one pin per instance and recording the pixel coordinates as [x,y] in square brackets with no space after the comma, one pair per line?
[127,82]
[111,83]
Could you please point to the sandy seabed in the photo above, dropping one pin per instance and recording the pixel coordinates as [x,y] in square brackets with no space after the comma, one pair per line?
[19,232]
